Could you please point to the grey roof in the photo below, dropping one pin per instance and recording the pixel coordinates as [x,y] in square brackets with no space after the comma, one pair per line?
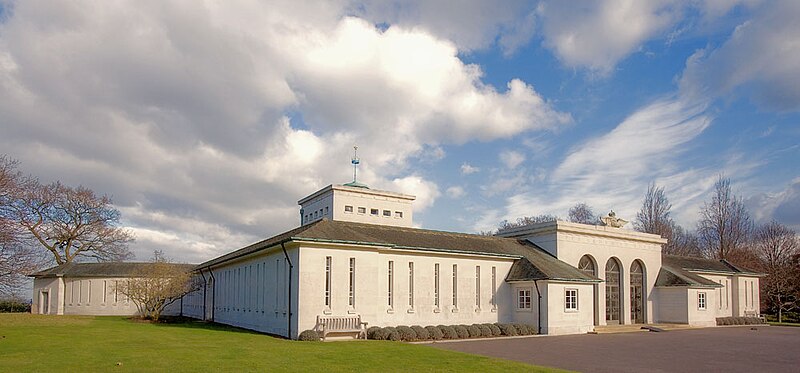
[675,276]
[104,269]
[533,263]
[703,264]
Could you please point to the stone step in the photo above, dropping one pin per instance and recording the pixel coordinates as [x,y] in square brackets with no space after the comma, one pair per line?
[633,328]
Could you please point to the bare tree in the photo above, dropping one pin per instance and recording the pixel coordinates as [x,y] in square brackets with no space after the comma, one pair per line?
[682,242]
[582,213]
[70,223]
[725,225]
[776,246]
[654,217]
[526,220]
[157,285]
[17,259]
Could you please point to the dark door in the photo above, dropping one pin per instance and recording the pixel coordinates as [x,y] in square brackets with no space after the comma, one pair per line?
[637,293]
[613,300]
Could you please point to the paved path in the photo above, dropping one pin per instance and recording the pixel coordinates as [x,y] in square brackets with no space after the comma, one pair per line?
[730,349]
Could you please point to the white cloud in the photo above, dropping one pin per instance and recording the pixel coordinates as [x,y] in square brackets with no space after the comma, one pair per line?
[598,34]
[185,113]
[468,169]
[511,159]
[456,192]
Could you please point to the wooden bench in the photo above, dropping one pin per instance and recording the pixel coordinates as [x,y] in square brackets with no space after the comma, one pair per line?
[341,324]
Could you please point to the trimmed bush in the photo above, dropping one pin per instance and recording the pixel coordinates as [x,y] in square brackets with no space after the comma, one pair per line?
[422,333]
[394,336]
[533,329]
[508,329]
[496,332]
[448,332]
[522,329]
[462,331]
[373,331]
[434,332]
[309,335]
[485,330]
[474,331]
[385,332]
[406,333]
[14,306]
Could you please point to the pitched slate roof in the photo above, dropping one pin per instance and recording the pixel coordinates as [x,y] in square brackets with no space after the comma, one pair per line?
[105,269]
[532,263]
[677,271]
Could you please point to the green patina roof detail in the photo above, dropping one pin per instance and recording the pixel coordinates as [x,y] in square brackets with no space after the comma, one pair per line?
[356,184]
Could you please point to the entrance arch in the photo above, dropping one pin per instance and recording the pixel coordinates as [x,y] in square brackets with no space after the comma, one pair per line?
[613,292]
[587,265]
[637,292]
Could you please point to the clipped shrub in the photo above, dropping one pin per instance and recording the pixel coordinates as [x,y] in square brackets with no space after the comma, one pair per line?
[462,331]
[394,336]
[522,329]
[448,331]
[309,335]
[406,333]
[508,329]
[496,332]
[434,332]
[422,333]
[386,332]
[372,332]
[533,329]
[474,331]
[485,330]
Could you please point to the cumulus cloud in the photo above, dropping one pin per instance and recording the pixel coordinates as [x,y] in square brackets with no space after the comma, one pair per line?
[468,169]
[206,122]
[598,34]
[456,192]
[511,159]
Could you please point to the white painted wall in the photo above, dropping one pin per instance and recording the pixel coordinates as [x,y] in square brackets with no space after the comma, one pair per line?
[747,300]
[672,305]
[372,287]
[561,321]
[331,202]
[702,317]
[86,296]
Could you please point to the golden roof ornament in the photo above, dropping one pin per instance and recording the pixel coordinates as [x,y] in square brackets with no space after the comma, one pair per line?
[611,220]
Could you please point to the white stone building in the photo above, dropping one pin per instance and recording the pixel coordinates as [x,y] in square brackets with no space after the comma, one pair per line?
[88,289]
[356,253]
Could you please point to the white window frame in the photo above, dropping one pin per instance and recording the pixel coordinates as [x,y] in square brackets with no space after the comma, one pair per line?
[391,284]
[411,285]
[352,294]
[571,300]
[328,280]
[436,299]
[524,299]
[387,213]
[494,288]
[478,287]
[374,212]
[455,286]
[348,209]
[362,210]
[398,214]
[702,300]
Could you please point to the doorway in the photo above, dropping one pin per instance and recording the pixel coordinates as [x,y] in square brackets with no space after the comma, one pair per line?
[44,303]
[587,266]
[637,293]
[613,299]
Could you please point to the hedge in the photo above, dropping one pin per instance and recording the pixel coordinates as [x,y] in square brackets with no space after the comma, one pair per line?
[439,332]
[740,321]
[309,335]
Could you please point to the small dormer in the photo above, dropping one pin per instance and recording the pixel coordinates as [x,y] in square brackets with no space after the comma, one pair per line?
[356,202]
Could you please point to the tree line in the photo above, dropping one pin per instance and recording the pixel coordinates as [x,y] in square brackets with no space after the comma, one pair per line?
[725,231]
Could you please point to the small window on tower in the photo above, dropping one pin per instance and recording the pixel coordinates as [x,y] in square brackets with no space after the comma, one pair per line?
[326,210]
[362,210]
[348,209]
[398,214]
[387,213]
[373,212]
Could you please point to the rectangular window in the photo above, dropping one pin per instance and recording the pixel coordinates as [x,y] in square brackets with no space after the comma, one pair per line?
[752,294]
[494,287]
[436,285]
[411,284]
[116,291]
[348,209]
[391,284]
[105,290]
[328,282]
[373,212]
[455,285]
[478,286]
[398,214]
[571,300]
[523,299]
[352,295]
[701,301]
[326,210]
[387,213]
[362,210]
[88,291]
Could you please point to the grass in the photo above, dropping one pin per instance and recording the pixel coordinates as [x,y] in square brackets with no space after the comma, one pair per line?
[42,343]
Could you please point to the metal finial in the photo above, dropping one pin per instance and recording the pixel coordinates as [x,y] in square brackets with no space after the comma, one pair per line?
[355,161]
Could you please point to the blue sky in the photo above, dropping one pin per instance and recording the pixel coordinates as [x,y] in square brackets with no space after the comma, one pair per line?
[206,123]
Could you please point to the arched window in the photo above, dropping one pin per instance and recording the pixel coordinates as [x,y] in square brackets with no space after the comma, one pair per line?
[637,292]
[613,299]
[586,265]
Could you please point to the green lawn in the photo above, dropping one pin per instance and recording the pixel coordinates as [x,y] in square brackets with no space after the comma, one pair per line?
[39,343]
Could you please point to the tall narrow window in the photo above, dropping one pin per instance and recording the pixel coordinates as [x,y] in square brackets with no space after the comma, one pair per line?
[701,301]
[571,300]
[523,299]
[494,287]
[752,294]
[455,285]
[328,281]
[88,291]
[352,295]
[277,286]
[478,286]
[411,284]
[80,292]
[105,290]
[116,291]
[436,285]
[391,284]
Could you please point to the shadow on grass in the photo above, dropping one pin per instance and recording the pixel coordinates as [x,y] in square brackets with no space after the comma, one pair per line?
[190,323]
